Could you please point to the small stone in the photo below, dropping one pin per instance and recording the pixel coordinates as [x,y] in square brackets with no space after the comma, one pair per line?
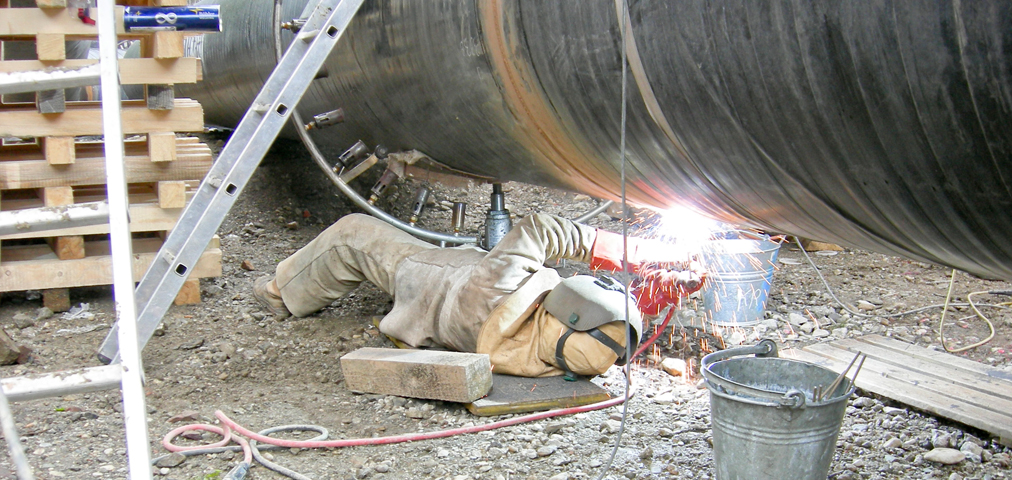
[295,226]
[554,427]
[560,476]
[797,319]
[547,450]
[674,366]
[807,328]
[866,305]
[945,456]
[170,461]
[1003,460]
[840,332]
[416,413]
[863,402]
[647,454]
[972,450]
[43,313]
[665,432]
[382,468]
[610,426]
[192,344]
[893,411]
[189,416]
[247,265]
[820,333]
[955,476]
[529,453]
[227,348]
[892,443]
[770,324]
[23,321]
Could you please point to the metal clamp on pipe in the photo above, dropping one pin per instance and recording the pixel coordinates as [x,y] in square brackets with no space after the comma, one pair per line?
[328,119]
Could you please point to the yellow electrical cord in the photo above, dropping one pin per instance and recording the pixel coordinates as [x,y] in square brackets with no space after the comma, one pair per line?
[945,308]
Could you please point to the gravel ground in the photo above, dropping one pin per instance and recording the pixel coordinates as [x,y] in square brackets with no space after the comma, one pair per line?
[224,354]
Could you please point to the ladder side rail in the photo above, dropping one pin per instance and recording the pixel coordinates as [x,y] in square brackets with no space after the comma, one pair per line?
[134,410]
[235,165]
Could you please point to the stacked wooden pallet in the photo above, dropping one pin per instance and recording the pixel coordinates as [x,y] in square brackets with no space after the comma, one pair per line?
[48,159]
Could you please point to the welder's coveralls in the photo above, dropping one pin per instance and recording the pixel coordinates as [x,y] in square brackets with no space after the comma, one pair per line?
[459,298]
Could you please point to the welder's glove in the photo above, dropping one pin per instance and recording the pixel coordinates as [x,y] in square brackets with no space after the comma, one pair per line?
[606,254]
[661,287]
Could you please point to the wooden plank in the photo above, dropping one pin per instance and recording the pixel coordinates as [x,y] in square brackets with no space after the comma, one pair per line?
[86,119]
[897,354]
[59,150]
[51,3]
[51,47]
[66,247]
[132,71]
[192,162]
[162,147]
[35,267]
[189,293]
[57,196]
[937,395]
[439,375]
[21,23]
[56,299]
[171,194]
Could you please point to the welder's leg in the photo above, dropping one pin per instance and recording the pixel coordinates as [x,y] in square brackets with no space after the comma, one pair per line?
[355,248]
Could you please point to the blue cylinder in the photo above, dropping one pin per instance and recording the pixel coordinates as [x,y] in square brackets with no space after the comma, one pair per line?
[205,18]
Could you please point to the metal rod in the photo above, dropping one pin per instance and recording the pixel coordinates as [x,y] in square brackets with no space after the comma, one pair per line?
[134,411]
[594,212]
[58,384]
[839,378]
[52,218]
[24,472]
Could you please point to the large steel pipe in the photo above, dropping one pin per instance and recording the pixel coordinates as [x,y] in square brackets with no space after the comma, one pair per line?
[876,124]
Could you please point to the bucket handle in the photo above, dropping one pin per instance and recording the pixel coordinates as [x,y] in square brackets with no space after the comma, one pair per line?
[793,398]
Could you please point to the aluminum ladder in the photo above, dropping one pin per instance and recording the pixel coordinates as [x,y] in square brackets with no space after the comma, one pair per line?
[234,167]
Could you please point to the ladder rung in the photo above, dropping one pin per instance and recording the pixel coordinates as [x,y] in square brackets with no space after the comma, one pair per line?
[49,79]
[67,382]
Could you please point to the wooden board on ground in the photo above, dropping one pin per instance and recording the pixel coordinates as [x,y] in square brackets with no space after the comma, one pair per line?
[952,387]
[438,375]
[520,394]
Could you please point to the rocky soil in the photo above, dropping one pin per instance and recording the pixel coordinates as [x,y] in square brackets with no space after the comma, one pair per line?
[225,354]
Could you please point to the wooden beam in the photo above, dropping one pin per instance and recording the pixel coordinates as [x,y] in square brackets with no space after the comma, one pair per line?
[56,299]
[162,147]
[21,23]
[59,150]
[51,46]
[35,267]
[163,45]
[132,71]
[86,119]
[172,194]
[51,3]
[66,247]
[189,293]
[449,376]
[22,168]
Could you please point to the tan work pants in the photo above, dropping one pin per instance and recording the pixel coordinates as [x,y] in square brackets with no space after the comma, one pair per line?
[353,249]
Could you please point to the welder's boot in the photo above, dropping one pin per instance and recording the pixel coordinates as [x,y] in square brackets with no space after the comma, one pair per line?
[266,293]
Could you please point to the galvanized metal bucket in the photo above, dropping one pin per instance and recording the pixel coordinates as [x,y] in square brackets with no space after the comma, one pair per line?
[766,421]
[739,275]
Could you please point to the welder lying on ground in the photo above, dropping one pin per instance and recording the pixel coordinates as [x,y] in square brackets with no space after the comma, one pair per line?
[504,302]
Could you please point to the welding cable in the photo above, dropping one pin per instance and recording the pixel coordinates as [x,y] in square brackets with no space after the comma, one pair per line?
[323,434]
[226,438]
[622,15]
[891,315]
[969,298]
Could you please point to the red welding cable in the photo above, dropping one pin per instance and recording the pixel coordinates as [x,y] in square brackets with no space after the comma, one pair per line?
[226,438]
[411,437]
[664,325]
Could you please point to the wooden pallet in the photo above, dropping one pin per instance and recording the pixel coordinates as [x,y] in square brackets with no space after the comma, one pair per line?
[56,162]
[952,387]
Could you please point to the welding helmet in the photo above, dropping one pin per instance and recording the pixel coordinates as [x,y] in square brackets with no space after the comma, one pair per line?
[583,303]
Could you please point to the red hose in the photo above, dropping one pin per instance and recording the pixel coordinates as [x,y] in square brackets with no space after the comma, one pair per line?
[411,437]
[226,438]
